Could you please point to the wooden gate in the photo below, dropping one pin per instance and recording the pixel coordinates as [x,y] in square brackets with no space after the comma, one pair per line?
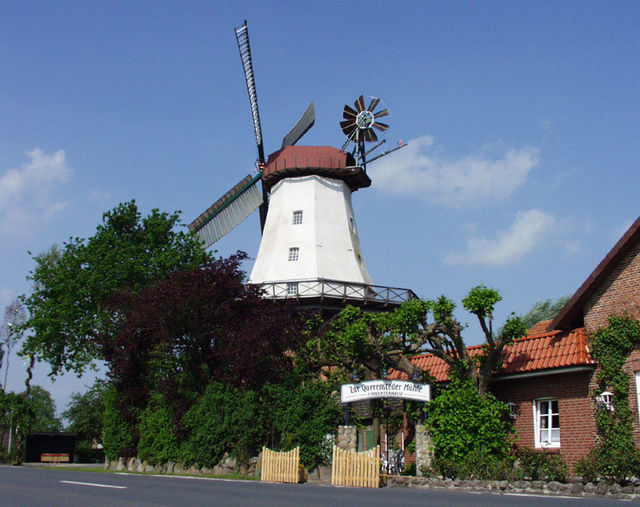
[280,466]
[361,469]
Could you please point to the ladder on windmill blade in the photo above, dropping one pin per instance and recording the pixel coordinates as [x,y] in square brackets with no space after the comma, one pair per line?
[228,211]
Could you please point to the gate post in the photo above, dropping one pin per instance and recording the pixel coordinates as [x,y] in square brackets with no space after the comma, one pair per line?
[424,453]
[347,438]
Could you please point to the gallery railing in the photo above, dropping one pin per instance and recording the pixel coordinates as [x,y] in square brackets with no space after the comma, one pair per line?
[333,289]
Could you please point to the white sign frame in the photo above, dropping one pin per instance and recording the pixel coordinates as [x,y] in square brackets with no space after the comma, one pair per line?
[373,389]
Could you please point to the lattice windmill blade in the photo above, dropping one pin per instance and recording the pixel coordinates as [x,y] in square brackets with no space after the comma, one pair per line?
[380,114]
[228,211]
[382,127]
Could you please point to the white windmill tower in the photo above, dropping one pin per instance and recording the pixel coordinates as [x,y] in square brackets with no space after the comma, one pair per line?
[310,247]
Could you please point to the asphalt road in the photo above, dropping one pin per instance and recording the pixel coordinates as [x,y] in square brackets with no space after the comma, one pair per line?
[28,486]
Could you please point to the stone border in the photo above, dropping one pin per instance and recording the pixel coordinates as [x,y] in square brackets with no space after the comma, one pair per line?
[578,489]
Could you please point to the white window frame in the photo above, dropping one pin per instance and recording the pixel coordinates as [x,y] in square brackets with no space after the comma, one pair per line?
[297,217]
[638,392]
[539,417]
[292,288]
[294,254]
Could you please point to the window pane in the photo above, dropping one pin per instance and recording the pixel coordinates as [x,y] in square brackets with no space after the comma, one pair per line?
[555,435]
[544,407]
[554,406]
[555,421]
[297,217]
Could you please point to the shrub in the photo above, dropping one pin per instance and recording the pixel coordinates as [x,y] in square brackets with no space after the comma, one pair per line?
[588,468]
[224,419]
[611,463]
[542,465]
[85,453]
[158,442]
[304,413]
[461,422]
[410,469]
[120,438]
[480,465]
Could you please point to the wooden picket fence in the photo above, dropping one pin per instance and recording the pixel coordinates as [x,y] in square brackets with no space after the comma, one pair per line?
[280,466]
[360,469]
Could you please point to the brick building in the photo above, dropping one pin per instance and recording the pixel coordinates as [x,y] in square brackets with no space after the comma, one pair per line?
[549,375]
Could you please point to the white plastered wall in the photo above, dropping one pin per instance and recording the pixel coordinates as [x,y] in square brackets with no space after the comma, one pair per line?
[327,238]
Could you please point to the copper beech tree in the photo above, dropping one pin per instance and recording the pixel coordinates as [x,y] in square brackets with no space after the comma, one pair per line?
[369,343]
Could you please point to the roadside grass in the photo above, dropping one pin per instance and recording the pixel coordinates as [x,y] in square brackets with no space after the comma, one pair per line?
[99,469]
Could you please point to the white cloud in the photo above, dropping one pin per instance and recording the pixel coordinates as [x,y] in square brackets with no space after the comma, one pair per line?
[417,169]
[526,232]
[28,194]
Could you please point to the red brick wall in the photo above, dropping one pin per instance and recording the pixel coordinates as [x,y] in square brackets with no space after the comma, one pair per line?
[619,292]
[575,405]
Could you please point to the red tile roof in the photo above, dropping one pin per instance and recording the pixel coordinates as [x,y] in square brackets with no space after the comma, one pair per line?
[539,350]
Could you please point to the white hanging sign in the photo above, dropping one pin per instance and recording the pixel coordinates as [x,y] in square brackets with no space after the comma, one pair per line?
[371,389]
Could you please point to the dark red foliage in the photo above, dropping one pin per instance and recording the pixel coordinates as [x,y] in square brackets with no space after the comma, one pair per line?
[196,327]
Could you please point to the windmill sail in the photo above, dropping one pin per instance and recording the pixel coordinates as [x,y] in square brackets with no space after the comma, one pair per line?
[228,211]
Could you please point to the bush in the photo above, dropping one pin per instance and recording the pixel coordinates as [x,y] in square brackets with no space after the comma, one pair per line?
[410,469]
[613,464]
[462,422]
[85,453]
[480,465]
[542,465]
[587,467]
[120,438]
[158,442]
[304,413]
[224,419]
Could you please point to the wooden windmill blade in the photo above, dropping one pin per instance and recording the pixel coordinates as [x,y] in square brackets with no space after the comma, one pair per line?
[228,211]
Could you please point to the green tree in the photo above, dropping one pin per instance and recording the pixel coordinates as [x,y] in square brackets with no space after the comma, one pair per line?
[44,410]
[85,413]
[71,286]
[370,343]
[543,310]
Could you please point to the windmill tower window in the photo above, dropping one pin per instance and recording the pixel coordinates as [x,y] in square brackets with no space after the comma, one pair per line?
[297,217]
[292,288]
[293,254]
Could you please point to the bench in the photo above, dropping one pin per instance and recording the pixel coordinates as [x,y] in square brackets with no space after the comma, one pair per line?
[49,457]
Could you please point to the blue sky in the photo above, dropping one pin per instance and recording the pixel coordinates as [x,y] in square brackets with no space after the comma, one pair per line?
[522,120]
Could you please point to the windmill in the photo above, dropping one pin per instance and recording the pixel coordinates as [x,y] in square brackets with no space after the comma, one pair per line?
[310,246]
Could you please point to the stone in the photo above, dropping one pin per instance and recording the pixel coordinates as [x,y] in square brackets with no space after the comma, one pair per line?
[602,488]
[230,464]
[576,488]
[553,486]
[589,487]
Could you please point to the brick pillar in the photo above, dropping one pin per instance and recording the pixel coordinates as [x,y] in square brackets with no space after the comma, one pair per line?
[424,453]
[347,438]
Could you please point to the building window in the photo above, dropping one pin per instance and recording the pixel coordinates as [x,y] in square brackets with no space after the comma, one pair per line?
[546,423]
[292,288]
[638,391]
[293,254]
[297,217]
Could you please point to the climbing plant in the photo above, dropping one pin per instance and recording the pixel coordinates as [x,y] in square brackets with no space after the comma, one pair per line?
[615,457]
